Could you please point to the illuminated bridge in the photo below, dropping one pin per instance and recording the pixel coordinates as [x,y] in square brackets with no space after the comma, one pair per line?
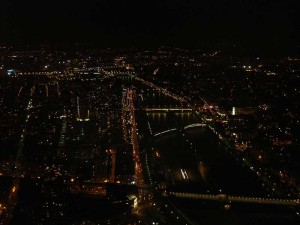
[168,109]
[165,132]
[175,129]
[242,199]
[195,125]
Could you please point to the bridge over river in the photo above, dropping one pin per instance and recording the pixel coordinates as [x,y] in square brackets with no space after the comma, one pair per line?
[175,129]
[242,199]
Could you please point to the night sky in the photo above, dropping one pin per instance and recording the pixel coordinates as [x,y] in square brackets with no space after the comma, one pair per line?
[133,23]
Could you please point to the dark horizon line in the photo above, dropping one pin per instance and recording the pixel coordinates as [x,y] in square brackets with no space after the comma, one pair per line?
[225,46]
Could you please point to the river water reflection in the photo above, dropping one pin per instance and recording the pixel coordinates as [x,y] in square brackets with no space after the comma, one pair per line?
[198,161]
